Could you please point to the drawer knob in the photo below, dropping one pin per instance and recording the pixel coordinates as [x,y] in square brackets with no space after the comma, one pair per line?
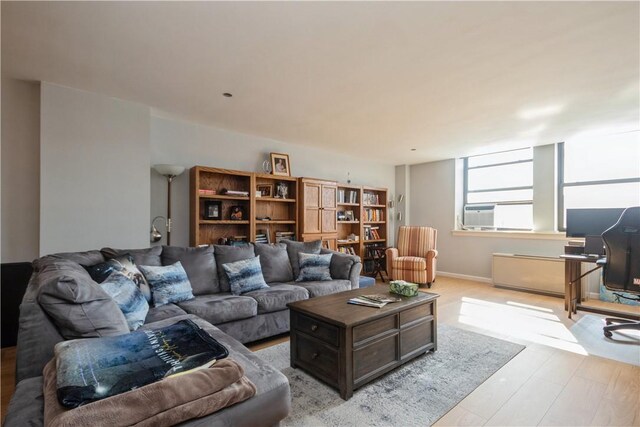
[314,328]
[314,355]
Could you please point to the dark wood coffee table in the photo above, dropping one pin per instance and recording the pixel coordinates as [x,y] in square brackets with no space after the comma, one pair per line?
[348,345]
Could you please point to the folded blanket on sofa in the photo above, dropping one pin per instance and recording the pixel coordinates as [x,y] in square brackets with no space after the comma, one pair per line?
[164,403]
[96,368]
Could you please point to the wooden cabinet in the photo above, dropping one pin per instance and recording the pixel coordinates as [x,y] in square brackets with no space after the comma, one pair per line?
[318,211]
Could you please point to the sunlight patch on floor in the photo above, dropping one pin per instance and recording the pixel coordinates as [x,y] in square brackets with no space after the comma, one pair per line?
[524,323]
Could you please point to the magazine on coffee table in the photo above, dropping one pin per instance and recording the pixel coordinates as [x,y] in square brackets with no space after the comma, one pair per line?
[380,298]
[366,302]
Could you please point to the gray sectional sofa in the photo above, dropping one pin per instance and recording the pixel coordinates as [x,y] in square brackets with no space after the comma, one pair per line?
[230,319]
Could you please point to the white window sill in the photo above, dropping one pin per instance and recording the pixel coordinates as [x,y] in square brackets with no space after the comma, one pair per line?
[533,235]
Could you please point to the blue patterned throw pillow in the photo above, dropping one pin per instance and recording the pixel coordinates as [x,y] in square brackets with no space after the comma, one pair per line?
[245,275]
[314,267]
[168,284]
[128,297]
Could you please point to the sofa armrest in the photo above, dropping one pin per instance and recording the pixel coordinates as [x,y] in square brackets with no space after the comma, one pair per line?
[345,267]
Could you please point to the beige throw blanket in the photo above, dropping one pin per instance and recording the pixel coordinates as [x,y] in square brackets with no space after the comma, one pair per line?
[164,403]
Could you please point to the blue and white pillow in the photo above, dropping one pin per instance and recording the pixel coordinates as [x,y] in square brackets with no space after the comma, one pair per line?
[245,275]
[128,297]
[314,267]
[168,283]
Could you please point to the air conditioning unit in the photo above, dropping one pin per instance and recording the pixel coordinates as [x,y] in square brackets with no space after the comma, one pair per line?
[479,216]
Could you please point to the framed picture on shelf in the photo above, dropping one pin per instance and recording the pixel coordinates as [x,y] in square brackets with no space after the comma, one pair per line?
[280,164]
[265,190]
[236,213]
[349,216]
[282,190]
[341,216]
[212,210]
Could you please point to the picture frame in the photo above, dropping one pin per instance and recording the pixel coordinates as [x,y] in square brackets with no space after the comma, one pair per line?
[280,164]
[212,210]
[265,190]
[282,190]
[349,216]
[237,213]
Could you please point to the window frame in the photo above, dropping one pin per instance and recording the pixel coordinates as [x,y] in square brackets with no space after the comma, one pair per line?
[466,191]
[561,185]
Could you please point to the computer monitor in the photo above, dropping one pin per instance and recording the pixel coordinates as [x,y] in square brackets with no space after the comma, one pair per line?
[591,222]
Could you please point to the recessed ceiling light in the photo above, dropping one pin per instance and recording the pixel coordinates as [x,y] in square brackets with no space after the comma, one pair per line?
[227,94]
[413,149]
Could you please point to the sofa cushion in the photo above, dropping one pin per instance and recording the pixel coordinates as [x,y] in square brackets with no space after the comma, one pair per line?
[129,298]
[275,263]
[146,256]
[245,275]
[409,263]
[225,254]
[77,304]
[83,258]
[294,248]
[123,264]
[277,296]
[314,267]
[220,308]
[27,404]
[341,265]
[199,264]
[168,284]
[318,289]
[166,311]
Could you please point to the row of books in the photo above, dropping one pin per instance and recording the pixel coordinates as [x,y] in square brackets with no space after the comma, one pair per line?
[346,250]
[376,300]
[347,196]
[371,233]
[370,199]
[285,235]
[205,192]
[235,193]
[374,215]
[262,237]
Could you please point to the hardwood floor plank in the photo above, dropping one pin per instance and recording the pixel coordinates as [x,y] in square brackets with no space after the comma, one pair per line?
[459,416]
[576,405]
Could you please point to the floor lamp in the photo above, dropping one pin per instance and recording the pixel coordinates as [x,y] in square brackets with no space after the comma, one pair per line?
[170,172]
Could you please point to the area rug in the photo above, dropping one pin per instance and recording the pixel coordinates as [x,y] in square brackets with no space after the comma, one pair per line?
[417,393]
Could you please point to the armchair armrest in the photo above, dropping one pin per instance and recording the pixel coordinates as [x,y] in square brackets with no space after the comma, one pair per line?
[431,254]
[391,254]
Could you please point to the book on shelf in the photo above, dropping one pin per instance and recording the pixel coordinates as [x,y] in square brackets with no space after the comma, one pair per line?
[285,235]
[366,302]
[205,192]
[371,233]
[262,237]
[235,193]
[346,250]
[371,214]
[347,196]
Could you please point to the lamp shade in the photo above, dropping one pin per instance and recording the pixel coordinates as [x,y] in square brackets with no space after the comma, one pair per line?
[169,170]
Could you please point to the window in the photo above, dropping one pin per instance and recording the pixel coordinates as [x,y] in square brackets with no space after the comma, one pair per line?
[599,172]
[504,179]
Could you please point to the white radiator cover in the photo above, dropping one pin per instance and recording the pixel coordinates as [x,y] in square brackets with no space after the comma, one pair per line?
[541,274]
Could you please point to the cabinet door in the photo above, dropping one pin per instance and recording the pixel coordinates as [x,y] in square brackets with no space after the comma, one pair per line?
[312,204]
[329,220]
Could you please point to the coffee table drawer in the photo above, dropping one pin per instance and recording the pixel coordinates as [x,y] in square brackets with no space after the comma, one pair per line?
[374,328]
[416,313]
[416,337]
[322,357]
[375,356]
[318,329]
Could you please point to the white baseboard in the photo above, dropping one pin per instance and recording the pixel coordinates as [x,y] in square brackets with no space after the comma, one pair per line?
[594,295]
[465,277]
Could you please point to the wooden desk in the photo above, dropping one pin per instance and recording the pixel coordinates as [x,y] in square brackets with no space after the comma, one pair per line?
[573,291]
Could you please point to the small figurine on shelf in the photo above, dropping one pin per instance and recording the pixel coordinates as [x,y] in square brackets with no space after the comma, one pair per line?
[282,190]
[237,213]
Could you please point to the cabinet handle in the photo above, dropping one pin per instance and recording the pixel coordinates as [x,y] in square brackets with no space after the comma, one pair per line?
[314,355]
[314,327]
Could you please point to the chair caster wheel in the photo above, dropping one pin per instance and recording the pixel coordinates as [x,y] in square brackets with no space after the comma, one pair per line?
[608,334]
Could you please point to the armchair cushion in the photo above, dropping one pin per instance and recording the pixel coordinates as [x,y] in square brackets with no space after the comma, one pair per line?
[409,263]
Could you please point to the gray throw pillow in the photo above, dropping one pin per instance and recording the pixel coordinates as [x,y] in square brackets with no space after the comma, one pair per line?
[245,275]
[275,263]
[314,267]
[226,254]
[199,264]
[79,307]
[146,256]
[129,298]
[294,248]
[168,284]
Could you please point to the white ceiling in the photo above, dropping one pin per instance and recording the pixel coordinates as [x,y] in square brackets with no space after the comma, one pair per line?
[367,79]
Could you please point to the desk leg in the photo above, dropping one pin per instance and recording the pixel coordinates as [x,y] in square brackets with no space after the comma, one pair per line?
[568,268]
[572,292]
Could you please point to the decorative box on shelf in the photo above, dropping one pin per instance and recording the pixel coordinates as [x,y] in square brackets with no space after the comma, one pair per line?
[403,288]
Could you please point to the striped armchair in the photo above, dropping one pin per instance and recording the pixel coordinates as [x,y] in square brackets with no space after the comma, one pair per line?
[414,260]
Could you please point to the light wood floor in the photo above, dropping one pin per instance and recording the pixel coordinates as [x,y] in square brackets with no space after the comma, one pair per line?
[554,381]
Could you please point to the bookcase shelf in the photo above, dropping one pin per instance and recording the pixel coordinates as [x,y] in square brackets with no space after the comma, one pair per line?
[223,222]
[222,197]
[274,200]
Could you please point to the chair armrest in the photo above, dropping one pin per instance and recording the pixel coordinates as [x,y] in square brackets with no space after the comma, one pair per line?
[431,254]
[391,254]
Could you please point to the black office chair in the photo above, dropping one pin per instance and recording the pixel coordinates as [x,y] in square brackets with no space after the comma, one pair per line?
[622,264]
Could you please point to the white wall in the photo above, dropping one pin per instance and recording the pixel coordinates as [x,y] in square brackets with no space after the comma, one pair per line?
[20,170]
[94,171]
[433,201]
[189,144]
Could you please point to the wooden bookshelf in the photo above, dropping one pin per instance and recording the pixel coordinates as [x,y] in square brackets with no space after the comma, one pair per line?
[374,224]
[348,203]
[282,211]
